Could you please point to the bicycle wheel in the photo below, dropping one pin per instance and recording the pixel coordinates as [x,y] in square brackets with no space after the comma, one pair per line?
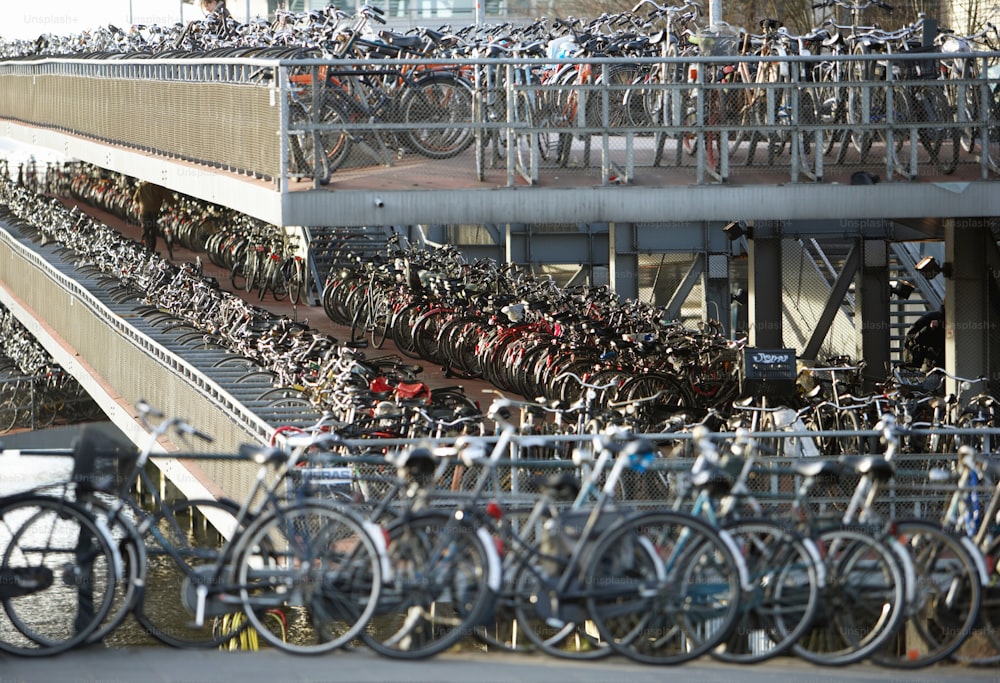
[296,272]
[335,141]
[444,102]
[983,646]
[526,141]
[863,601]
[786,576]
[930,109]
[277,281]
[251,269]
[183,546]
[360,322]
[967,107]
[309,577]
[664,587]
[9,410]
[554,625]
[438,591]
[129,589]
[306,147]
[58,575]
[947,601]
[805,138]
[237,277]
[829,101]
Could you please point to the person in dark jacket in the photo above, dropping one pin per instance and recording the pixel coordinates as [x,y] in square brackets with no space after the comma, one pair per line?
[923,346]
[215,6]
[149,199]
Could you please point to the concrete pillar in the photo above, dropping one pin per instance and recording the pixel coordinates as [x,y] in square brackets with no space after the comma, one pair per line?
[970,269]
[764,278]
[872,317]
[623,270]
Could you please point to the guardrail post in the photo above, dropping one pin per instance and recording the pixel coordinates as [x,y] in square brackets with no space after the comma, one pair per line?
[281,90]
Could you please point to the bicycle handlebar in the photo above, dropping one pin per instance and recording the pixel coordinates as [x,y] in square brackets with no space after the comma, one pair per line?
[960,380]
[583,383]
[854,7]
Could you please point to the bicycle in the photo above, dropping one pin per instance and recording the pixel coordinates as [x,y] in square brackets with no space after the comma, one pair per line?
[60,572]
[313,562]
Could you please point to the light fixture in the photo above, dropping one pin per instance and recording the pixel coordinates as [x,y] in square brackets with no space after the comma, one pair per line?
[929,267]
[740,297]
[737,229]
[901,288]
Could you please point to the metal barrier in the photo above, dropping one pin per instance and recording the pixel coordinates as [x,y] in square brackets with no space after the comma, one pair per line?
[121,357]
[914,491]
[611,120]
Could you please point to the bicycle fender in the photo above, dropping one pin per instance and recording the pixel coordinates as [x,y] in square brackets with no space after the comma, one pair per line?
[741,565]
[493,577]
[377,534]
[906,564]
[783,69]
[102,526]
[977,557]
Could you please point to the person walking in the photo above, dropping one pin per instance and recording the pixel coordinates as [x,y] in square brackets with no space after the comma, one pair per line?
[923,346]
[149,198]
[216,6]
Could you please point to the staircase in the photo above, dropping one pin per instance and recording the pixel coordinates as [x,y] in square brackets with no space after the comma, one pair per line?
[331,249]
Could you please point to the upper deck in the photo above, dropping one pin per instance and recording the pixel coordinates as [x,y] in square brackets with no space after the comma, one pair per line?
[612,146]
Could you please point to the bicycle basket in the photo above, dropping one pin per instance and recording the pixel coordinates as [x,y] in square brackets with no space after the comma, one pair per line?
[101,459]
[918,69]
[723,41]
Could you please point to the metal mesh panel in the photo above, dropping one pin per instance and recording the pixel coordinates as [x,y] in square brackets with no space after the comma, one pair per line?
[809,270]
[130,369]
[228,125]
[598,121]
[661,276]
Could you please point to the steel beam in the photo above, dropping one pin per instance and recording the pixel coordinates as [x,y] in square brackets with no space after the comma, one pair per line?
[833,303]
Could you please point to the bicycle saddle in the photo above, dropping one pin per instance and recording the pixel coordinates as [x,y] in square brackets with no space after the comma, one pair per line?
[558,486]
[819,468]
[876,465]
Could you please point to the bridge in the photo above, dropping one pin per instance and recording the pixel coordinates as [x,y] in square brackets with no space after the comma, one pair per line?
[684,204]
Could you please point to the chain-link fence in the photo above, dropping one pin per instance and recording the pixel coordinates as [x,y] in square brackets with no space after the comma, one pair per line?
[924,485]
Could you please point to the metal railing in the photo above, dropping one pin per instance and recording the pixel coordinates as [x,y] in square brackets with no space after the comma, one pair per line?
[607,120]
[139,367]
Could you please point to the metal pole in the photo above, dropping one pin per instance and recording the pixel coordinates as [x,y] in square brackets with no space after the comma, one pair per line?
[714,13]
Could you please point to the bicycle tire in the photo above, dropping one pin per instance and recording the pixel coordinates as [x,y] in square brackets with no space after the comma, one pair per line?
[982,648]
[947,603]
[317,565]
[439,590]
[676,608]
[59,546]
[8,414]
[537,608]
[852,624]
[296,283]
[128,591]
[786,577]
[162,611]
[438,99]
[942,144]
